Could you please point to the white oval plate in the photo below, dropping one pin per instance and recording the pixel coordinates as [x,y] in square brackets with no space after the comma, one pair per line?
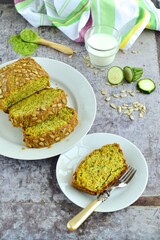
[120,198]
[80,96]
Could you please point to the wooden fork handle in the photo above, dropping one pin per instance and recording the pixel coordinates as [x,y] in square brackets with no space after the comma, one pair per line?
[76,221]
[57,46]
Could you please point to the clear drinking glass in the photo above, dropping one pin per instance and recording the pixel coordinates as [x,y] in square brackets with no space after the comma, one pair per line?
[102,44]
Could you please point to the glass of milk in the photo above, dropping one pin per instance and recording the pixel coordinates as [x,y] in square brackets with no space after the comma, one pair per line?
[102,44]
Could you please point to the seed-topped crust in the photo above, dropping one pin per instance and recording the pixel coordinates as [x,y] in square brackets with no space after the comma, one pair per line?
[19,80]
[52,129]
[37,108]
[100,169]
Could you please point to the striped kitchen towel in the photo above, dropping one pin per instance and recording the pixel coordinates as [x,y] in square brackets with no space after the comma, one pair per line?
[74,17]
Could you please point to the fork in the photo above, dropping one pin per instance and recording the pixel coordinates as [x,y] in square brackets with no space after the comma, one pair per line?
[77,220]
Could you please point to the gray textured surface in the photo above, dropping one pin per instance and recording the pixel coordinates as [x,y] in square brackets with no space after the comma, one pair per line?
[31,202]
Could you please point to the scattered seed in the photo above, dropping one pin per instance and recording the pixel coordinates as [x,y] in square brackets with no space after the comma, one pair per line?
[115,95]
[141,115]
[126,112]
[113,105]
[132,94]
[131,117]
[103,92]
[107,99]
[144,108]
[134,51]
[129,91]
[123,90]
[95,72]
[123,95]
[119,109]
[125,105]
[107,83]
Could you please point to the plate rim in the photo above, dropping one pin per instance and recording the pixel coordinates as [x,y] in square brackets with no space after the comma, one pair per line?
[38,154]
[91,196]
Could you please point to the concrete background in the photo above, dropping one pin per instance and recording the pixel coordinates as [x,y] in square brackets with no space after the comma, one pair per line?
[32,205]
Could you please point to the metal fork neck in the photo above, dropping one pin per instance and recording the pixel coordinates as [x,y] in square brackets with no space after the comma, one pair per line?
[103,196]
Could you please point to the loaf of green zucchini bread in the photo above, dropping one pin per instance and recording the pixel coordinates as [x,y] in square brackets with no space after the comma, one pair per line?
[100,169]
[19,80]
[51,130]
[37,107]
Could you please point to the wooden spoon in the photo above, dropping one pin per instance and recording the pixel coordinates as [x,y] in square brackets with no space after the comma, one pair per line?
[27,35]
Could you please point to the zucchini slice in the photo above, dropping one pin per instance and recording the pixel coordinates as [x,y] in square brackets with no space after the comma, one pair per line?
[132,74]
[146,85]
[115,75]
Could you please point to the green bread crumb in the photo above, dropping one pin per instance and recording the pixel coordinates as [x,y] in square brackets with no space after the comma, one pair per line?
[21,47]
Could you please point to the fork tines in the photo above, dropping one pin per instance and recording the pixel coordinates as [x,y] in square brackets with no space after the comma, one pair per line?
[127,176]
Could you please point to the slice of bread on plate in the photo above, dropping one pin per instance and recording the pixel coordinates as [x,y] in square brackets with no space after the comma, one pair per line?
[52,130]
[37,107]
[100,169]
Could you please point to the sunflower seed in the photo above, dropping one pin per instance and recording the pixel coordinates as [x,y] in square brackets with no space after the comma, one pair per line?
[131,117]
[123,95]
[115,95]
[107,99]
[119,109]
[113,105]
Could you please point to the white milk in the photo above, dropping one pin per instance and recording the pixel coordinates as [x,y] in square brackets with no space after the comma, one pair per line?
[102,49]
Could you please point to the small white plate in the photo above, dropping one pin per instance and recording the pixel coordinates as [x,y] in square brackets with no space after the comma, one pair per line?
[120,198]
[80,96]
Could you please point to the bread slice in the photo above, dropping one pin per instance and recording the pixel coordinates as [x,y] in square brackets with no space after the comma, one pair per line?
[51,130]
[37,107]
[19,80]
[100,169]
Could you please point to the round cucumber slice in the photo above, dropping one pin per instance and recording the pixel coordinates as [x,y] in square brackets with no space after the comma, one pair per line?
[115,75]
[146,85]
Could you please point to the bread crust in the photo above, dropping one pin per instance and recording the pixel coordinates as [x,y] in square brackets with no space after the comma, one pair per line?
[19,80]
[47,138]
[104,172]
[41,111]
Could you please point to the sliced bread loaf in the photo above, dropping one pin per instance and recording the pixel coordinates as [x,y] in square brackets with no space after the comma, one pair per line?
[51,130]
[37,107]
[19,80]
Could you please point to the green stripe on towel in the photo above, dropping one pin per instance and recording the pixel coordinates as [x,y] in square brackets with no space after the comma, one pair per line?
[21,5]
[73,17]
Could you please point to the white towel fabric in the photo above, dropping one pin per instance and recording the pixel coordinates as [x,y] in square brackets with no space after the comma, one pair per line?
[74,17]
